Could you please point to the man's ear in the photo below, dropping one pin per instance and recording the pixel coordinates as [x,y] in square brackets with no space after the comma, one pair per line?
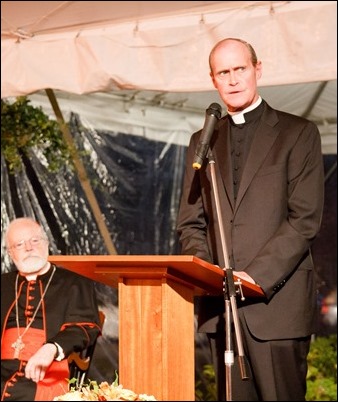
[212,79]
[259,70]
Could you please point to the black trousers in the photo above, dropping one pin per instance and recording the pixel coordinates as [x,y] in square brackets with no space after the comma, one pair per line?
[276,370]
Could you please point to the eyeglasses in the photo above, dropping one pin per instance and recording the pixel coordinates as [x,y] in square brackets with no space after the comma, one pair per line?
[34,241]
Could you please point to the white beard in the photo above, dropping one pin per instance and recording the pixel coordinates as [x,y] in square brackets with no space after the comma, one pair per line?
[33,264]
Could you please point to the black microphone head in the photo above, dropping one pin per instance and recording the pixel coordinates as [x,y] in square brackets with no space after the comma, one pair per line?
[215,109]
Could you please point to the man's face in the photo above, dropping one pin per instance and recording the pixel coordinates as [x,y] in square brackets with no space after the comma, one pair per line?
[234,75]
[28,247]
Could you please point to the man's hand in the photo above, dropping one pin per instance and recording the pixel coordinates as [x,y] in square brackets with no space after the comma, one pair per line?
[39,363]
[243,275]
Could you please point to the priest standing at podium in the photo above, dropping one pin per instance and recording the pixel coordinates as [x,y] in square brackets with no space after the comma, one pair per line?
[269,170]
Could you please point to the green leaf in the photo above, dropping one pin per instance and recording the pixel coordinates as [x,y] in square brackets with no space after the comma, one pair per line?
[25,128]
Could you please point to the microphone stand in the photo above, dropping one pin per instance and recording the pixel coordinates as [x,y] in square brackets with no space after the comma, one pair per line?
[229,298]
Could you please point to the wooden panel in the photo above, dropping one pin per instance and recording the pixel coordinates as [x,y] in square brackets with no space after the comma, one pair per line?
[178,326]
[156,333]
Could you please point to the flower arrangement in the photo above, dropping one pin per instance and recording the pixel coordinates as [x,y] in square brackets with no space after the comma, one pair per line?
[102,392]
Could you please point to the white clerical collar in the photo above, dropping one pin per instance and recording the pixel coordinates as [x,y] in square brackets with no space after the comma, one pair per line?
[238,118]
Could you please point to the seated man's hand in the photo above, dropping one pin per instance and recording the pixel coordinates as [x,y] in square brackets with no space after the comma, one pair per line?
[39,363]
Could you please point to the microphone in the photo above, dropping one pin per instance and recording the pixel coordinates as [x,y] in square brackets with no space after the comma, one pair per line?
[213,113]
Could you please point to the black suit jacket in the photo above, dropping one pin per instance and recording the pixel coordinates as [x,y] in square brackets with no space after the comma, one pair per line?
[270,228]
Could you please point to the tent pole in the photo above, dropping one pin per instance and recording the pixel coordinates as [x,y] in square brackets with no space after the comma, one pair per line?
[81,172]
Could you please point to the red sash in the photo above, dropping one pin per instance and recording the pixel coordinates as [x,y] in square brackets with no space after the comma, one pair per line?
[33,340]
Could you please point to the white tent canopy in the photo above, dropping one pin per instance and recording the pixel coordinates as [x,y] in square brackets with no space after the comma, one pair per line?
[86,46]
[154,54]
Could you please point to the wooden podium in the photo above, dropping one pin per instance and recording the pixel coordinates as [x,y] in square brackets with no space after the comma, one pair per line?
[156,315]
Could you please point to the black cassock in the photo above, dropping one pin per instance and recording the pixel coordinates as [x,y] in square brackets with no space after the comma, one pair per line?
[68,315]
